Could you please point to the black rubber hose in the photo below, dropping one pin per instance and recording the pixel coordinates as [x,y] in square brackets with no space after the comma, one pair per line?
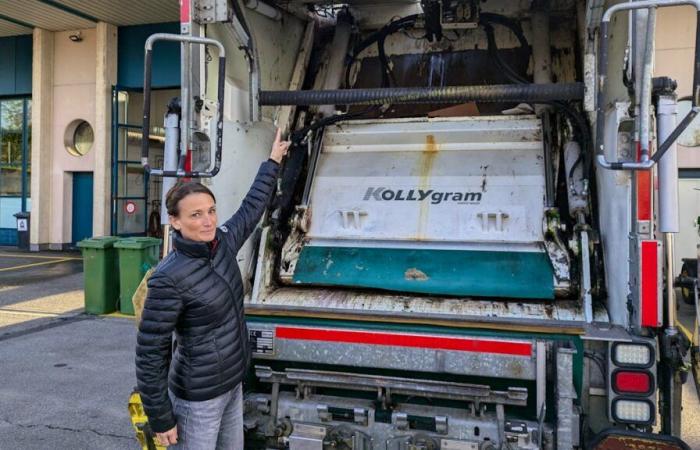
[417,95]
[378,36]
[511,24]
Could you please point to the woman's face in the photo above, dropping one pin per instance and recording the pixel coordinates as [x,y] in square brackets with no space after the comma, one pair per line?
[197,218]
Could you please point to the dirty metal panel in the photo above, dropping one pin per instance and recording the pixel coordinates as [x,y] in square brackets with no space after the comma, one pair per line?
[498,313]
[462,355]
[463,180]
[460,423]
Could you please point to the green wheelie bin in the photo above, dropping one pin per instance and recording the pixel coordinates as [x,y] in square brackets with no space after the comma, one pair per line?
[100,270]
[136,256]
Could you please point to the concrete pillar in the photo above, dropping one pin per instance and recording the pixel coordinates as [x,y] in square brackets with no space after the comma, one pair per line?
[106,51]
[42,126]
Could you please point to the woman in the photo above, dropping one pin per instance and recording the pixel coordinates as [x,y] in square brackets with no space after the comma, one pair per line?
[197,293]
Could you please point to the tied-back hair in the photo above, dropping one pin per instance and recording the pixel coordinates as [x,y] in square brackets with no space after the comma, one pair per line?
[182,190]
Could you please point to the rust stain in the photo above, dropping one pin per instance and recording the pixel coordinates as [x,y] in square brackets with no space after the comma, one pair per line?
[426,162]
[415,274]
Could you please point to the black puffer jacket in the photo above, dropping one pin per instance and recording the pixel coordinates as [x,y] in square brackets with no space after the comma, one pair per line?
[197,292]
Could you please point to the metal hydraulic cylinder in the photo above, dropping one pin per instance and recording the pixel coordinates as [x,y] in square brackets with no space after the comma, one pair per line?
[668,167]
[170,158]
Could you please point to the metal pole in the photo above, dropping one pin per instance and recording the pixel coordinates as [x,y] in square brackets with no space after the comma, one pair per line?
[336,63]
[670,291]
[645,100]
[668,168]
[169,159]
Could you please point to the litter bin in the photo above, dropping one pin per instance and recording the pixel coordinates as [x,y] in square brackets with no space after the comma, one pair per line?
[136,256]
[22,230]
[100,270]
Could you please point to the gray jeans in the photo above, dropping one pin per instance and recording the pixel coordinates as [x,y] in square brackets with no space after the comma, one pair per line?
[215,424]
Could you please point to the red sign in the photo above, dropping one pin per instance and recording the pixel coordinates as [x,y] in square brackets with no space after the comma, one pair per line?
[130,207]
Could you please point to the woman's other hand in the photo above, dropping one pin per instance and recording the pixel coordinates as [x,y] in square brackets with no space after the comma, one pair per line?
[279,148]
[167,438]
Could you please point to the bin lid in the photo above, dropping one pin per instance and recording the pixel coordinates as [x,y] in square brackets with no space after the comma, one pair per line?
[22,215]
[98,242]
[137,243]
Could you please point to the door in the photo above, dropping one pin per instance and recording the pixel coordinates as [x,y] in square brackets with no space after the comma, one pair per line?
[82,206]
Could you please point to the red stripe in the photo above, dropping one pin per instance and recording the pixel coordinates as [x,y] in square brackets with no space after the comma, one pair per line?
[643,191]
[185,11]
[650,284]
[406,340]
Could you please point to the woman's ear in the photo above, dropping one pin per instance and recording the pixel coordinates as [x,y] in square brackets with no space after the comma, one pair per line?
[174,222]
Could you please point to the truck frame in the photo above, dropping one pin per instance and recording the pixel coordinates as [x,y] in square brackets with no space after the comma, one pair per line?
[471,242]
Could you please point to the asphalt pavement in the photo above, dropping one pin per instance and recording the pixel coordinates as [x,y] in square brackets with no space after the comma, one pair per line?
[65,377]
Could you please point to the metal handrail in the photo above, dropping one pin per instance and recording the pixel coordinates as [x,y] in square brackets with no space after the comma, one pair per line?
[148,60]
[646,162]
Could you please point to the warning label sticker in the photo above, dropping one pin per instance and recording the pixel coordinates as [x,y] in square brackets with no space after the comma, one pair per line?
[261,341]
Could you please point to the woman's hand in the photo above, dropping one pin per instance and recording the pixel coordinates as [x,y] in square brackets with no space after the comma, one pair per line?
[279,148]
[167,438]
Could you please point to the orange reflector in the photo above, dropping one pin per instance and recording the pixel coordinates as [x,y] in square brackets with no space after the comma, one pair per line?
[634,440]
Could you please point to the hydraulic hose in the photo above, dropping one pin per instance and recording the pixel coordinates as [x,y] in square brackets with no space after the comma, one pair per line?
[417,95]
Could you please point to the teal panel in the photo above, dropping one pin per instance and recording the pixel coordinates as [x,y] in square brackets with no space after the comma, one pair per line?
[442,272]
[130,52]
[7,68]
[16,65]
[8,236]
[23,65]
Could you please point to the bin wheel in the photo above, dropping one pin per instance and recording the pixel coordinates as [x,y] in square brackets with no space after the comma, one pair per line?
[686,292]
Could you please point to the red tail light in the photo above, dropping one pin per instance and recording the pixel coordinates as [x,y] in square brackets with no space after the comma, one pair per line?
[632,382]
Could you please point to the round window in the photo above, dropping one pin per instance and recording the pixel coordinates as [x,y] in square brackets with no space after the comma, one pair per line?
[79,137]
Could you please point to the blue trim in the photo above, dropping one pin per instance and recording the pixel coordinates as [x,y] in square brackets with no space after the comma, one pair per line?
[116,162]
[15,21]
[70,10]
[25,153]
[113,181]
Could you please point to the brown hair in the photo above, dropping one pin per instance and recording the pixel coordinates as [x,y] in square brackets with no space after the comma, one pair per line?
[182,190]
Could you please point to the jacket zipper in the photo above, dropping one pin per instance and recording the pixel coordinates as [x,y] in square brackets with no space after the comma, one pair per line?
[241,326]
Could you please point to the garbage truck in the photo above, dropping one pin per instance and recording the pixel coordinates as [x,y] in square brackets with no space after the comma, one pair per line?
[470,246]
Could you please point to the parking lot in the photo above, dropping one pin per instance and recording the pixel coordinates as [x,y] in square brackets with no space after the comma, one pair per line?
[66,376]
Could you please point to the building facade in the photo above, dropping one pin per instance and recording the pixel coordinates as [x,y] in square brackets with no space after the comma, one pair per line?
[70,110]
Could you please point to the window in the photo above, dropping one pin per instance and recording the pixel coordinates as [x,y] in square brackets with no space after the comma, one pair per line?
[11,147]
[79,137]
[15,163]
